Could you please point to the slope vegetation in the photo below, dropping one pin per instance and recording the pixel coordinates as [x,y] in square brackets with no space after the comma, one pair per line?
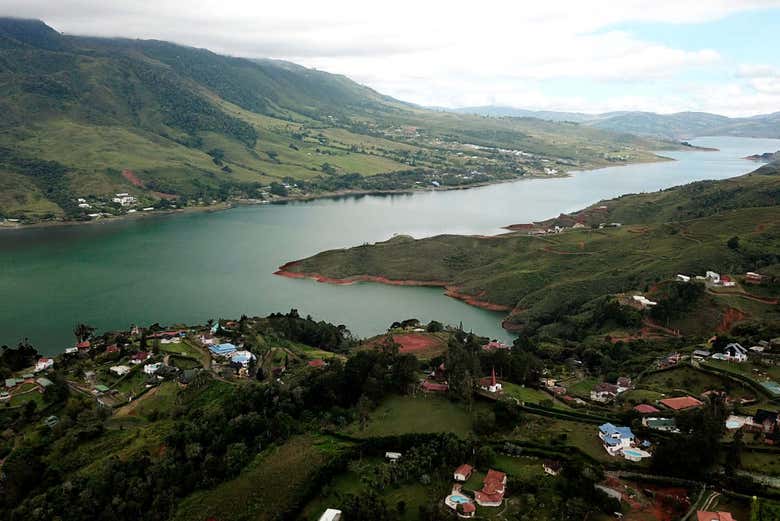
[84,118]
[729,226]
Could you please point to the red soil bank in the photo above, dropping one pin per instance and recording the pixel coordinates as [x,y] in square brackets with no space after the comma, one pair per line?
[730,317]
[130,176]
[412,342]
[450,291]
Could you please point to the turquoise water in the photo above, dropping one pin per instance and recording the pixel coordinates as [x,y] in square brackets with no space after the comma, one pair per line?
[459,499]
[189,268]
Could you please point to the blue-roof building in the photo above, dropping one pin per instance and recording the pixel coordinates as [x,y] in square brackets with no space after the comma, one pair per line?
[222,349]
[615,438]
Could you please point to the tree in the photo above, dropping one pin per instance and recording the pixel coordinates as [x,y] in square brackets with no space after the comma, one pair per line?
[733,243]
[83,332]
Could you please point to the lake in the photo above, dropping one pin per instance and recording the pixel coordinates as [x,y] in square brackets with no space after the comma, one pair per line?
[192,267]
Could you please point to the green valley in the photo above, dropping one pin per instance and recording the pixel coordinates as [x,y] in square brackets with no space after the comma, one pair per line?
[171,126]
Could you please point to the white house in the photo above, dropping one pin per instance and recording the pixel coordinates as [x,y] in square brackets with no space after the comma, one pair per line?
[683,278]
[43,363]
[331,514]
[393,456]
[604,392]
[644,301]
[615,438]
[735,353]
[120,370]
[712,277]
[124,199]
[152,368]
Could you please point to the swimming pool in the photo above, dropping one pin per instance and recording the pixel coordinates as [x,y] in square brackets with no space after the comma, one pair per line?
[459,499]
[634,454]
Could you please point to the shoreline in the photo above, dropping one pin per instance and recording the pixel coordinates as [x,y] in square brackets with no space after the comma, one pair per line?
[313,197]
[450,289]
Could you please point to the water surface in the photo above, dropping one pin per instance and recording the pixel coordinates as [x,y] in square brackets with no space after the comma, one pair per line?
[192,267]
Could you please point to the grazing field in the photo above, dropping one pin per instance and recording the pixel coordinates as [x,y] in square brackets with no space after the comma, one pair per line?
[267,488]
[529,395]
[421,413]
[559,433]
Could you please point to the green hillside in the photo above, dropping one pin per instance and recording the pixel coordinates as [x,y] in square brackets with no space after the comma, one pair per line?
[89,117]
[550,278]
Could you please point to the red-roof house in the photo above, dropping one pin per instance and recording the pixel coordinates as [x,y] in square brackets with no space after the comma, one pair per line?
[113,348]
[84,345]
[434,387]
[139,357]
[493,489]
[681,403]
[703,515]
[644,408]
[466,510]
[319,362]
[463,473]
[494,345]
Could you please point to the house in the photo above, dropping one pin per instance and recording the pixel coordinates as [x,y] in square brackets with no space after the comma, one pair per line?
[611,492]
[434,387]
[661,424]
[152,368]
[752,277]
[624,384]
[604,393]
[733,352]
[712,277]
[683,278]
[140,357]
[44,382]
[644,302]
[490,384]
[124,199]
[84,346]
[119,370]
[51,421]
[701,354]
[495,345]
[669,360]
[552,467]
[113,348]
[703,515]
[493,489]
[43,363]
[11,382]
[727,282]
[100,389]
[615,438]
[71,350]
[680,403]
[331,514]
[242,358]
[318,363]
[207,339]
[466,510]
[463,473]
[644,408]
[225,349]
[393,456]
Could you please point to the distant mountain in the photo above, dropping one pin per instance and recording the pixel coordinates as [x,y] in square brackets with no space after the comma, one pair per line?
[682,125]
[502,111]
[85,118]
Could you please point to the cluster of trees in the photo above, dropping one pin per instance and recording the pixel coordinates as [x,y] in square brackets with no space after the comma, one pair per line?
[679,298]
[15,359]
[697,449]
[321,334]
[48,176]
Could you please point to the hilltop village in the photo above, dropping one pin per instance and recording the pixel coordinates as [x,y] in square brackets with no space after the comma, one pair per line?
[424,422]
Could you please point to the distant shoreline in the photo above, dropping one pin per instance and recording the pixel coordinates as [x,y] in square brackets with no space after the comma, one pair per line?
[324,195]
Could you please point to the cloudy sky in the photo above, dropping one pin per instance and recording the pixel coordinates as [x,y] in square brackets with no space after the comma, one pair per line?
[588,55]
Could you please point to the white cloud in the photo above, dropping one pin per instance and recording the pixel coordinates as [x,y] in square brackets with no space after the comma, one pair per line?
[430,52]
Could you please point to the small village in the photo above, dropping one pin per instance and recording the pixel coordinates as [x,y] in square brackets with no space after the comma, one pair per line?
[617,424]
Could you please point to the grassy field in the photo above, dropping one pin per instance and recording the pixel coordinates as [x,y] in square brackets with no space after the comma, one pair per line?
[528,395]
[421,413]
[540,429]
[688,380]
[267,488]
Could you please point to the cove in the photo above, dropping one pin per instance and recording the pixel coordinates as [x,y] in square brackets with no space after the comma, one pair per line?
[191,267]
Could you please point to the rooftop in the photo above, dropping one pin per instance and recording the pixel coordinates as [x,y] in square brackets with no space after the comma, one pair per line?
[680,403]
